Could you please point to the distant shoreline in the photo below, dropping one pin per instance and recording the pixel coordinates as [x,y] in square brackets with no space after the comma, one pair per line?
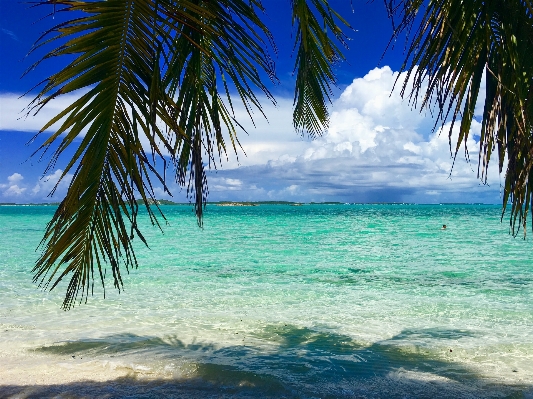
[258,203]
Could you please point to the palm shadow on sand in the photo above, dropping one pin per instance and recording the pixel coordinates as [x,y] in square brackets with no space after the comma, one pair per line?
[298,362]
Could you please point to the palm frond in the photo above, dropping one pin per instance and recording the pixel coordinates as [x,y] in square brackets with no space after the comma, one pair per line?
[95,223]
[220,44]
[142,63]
[454,45]
[316,54]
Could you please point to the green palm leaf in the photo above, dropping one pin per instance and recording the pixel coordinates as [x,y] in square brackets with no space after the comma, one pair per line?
[95,223]
[216,44]
[455,44]
[315,57]
[141,62]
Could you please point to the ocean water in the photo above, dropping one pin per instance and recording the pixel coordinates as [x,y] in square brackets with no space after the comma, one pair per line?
[313,301]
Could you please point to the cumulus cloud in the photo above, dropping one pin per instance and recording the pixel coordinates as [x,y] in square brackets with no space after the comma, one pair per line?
[15,177]
[12,188]
[377,148]
[38,191]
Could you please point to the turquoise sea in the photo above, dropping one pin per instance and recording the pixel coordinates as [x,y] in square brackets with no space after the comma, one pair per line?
[313,301]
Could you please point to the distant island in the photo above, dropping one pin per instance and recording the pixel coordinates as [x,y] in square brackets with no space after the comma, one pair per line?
[159,202]
[235,204]
[30,203]
[255,203]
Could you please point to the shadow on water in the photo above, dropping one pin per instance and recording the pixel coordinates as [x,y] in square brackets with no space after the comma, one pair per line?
[281,361]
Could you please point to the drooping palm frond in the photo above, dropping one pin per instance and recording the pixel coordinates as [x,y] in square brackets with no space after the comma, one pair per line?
[455,44]
[316,53]
[142,63]
[218,45]
[113,44]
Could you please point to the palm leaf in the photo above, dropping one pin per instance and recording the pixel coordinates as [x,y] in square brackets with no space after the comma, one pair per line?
[94,225]
[454,45]
[140,62]
[316,54]
[216,44]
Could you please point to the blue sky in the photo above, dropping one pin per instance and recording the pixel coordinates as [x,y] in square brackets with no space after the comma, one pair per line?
[377,149]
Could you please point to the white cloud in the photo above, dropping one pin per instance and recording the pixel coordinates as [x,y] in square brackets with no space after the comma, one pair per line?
[377,148]
[46,184]
[14,116]
[39,190]
[15,177]
[226,184]
[14,190]
[271,139]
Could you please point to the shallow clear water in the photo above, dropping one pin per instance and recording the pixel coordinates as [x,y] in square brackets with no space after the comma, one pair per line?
[283,301]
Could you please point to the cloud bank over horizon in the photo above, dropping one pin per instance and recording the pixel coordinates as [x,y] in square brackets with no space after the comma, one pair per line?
[376,149]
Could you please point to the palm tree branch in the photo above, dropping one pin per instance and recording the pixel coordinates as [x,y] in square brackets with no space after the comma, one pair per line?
[316,53]
[89,229]
[455,44]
